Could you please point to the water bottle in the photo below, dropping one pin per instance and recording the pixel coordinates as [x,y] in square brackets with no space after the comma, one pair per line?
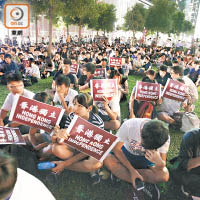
[45,165]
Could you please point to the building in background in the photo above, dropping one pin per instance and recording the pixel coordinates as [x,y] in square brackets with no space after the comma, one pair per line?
[191,8]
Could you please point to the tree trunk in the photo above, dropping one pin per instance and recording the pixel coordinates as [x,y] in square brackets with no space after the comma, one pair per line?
[79,33]
[157,35]
[50,29]
[104,32]
[97,32]
[36,29]
[67,29]
[133,34]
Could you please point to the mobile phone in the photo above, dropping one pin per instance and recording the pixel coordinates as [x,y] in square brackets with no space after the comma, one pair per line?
[139,184]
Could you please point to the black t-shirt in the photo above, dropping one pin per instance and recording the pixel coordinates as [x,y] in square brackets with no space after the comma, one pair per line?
[70,76]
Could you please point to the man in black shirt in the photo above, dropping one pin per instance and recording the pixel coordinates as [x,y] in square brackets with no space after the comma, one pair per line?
[66,71]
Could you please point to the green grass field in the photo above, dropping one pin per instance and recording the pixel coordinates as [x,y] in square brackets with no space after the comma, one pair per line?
[78,186]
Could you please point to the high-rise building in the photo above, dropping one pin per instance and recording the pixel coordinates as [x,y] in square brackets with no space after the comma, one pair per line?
[192,14]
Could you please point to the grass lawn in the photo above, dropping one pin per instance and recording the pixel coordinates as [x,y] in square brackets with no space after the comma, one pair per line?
[78,186]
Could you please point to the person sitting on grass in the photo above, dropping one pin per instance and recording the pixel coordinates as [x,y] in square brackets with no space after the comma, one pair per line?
[186,167]
[168,107]
[64,94]
[87,74]
[66,71]
[16,86]
[162,76]
[73,159]
[141,153]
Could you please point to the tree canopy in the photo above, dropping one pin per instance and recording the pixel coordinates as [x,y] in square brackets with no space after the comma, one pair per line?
[135,18]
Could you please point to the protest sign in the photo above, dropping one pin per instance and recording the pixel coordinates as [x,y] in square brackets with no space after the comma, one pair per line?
[74,68]
[115,62]
[147,91]
[174,90]
[103,88]
[11,136]
[90,139]
[100,72]
[35,114]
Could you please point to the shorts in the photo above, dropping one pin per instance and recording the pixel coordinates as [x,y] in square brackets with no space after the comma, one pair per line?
[138,162]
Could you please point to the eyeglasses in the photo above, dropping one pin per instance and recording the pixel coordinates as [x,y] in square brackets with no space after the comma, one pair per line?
[16,86]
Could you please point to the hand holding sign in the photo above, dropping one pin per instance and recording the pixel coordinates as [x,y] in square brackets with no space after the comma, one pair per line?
[60,134]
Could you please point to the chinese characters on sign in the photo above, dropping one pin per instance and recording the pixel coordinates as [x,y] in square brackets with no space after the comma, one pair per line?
[103,88]
[115,62]
[174,90]
[100,72]
[147,91]
[11,136]
[90,139]
[35,114]
[74,68]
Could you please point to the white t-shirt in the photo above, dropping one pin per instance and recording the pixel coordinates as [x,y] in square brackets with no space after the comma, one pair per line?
[113,104]
[28,187]
[33,70]
[68,99]
[130,134]
[10,99]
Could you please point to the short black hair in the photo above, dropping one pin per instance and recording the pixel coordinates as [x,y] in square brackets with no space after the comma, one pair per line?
[41,96]
[62,79]
[163,68]
[13,77]
[90,67]
[8,174]
[178,70]
[154,134]
[67,62]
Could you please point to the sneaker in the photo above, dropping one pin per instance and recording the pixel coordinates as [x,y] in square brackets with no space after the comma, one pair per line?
[96,178]
[151,191]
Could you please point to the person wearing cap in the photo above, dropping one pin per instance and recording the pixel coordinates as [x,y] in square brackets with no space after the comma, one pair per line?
[66,71]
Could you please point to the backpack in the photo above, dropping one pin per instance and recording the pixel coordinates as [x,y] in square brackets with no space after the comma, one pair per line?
[185,121]
[146,110]
[27,82]
[189,121]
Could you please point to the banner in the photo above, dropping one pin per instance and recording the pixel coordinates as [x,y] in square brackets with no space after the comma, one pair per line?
[35,114]
[90,139]
[11,136]
[147,91]
[100,72]
[115,62]
[103,88]
[174,90]
[74,68]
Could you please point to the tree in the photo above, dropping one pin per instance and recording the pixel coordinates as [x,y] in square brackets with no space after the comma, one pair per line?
[187,26]
[80,12]
[177,22]
[36,9]
[159,16]
[106,17]
[135,18]
[53,9]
